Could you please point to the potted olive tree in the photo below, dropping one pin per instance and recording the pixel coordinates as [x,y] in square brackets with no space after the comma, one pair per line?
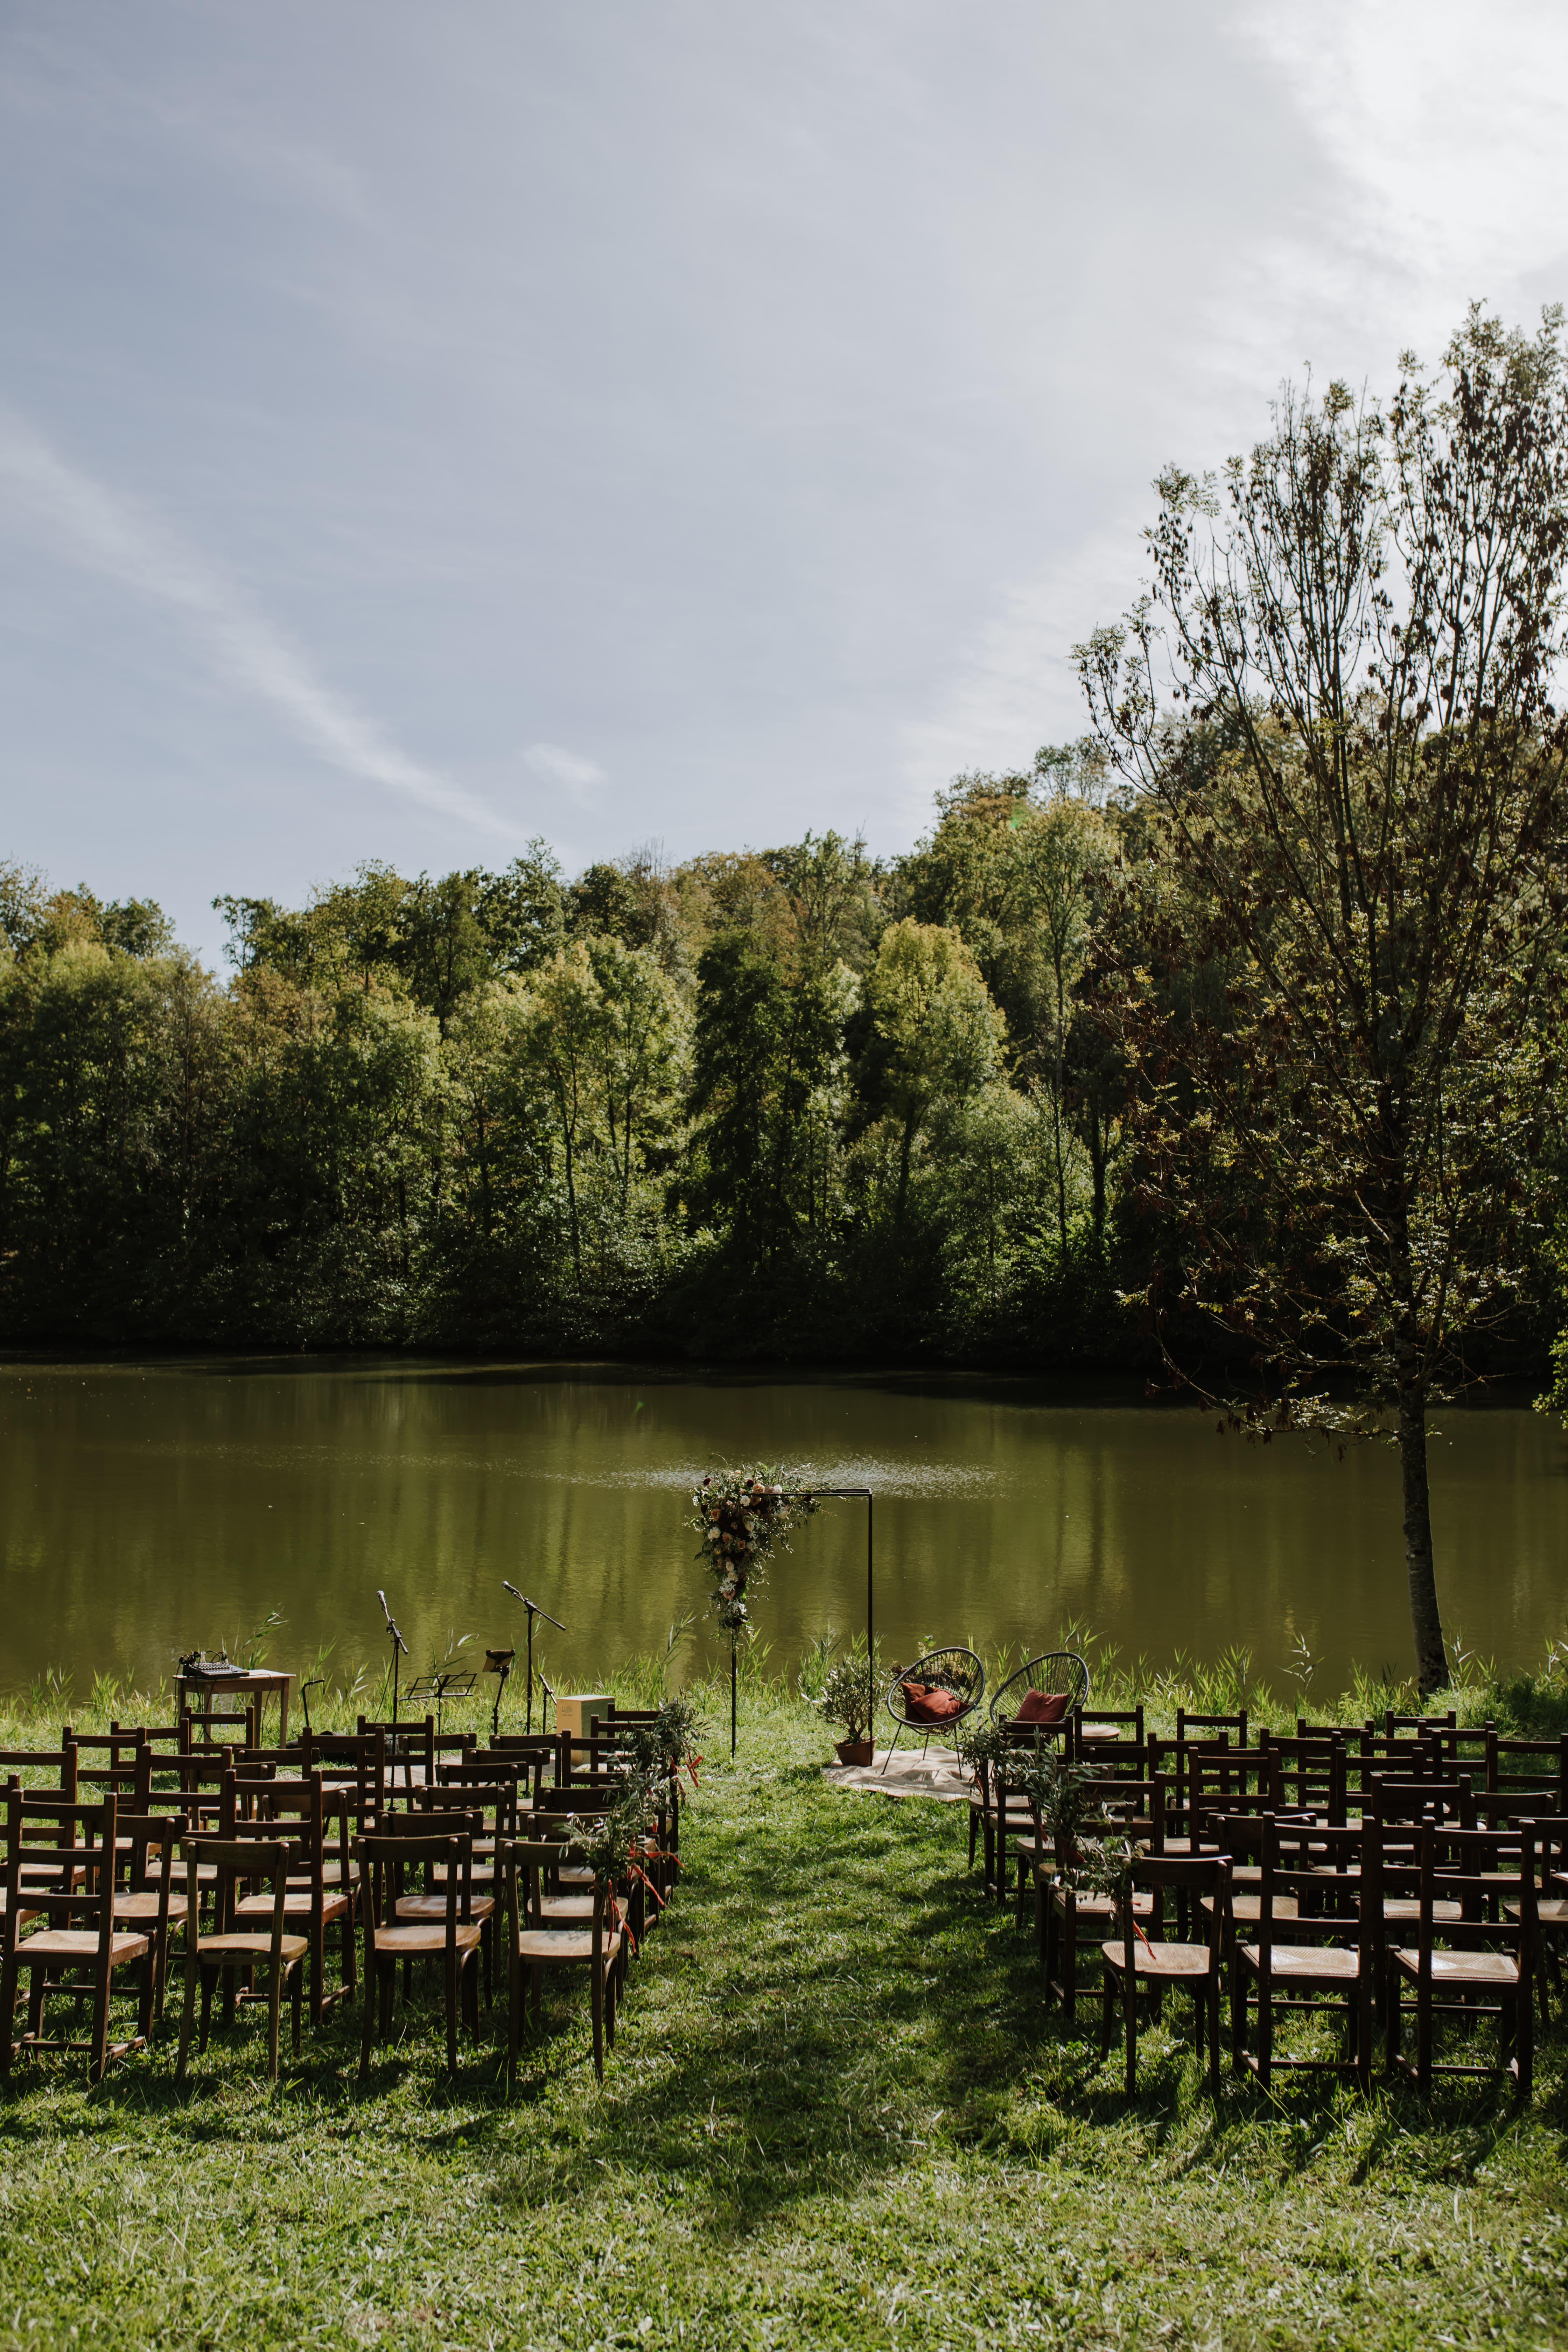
[848,1698]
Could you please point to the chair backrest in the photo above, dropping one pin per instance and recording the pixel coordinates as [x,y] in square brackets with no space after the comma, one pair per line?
[1337,1871]
[1098,1732]
[35,1761]
[527,1863]
[1193,1876]
[1528,1767]
[407,1743]
[522,1773]
[1190,1724]
[59,1859]
[1392,1800]
[1392,1722]
[406,1841]
[233,1861]
[1451,1863]
[1118,1806]
[490,1808]
[1308,1774]
[1053,1673]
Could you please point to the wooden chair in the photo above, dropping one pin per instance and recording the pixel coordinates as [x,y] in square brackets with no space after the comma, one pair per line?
[1327,1962]
[1550,1904]
[532,1942]
[403,1843]
[297,1811]
[232,1952]
[1481,1980]
[410,1745]
[149,1904]
[1068,1921]
[486,1814]
[1140,1955]
[59,1869]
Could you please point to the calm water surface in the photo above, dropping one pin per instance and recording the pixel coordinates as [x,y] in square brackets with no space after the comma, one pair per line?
[147,1508]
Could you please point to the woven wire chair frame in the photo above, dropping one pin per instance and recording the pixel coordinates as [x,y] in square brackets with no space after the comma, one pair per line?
[1058,1673]
[957,1670]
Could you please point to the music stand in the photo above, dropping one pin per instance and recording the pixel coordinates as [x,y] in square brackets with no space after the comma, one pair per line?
[437,1686]
[535,1610]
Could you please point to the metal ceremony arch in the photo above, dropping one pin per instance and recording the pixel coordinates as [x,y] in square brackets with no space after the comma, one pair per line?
[818,1493]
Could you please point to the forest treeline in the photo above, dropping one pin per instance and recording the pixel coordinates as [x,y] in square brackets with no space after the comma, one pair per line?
[795,1102]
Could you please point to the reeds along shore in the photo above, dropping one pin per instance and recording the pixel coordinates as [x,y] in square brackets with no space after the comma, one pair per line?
[1519,1700]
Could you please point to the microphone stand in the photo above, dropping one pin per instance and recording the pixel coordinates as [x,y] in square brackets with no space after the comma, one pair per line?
[399,1647]
[535,1610]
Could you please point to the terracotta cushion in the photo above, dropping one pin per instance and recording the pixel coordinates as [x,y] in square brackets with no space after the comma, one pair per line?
[1042,1707]
[931,1706]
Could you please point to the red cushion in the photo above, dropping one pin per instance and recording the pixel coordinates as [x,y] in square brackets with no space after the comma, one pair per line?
[1042,1707]
[915,1693]
[934,1705]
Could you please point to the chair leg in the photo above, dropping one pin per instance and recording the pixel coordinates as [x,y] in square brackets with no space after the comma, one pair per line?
[7,2014]
[296,2012]
[1238,2014]
[1129,2012]
[1265,2030]
[1361,2022]
[208,1976]
[1212,1998]
[452,2013]
[1393,2022]
[598,2022]
[187,2014]
[1423,2034]
[367,2022]
[97,2061]
[274,2001]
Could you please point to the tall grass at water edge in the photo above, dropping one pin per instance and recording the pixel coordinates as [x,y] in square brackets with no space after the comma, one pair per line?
[1520,1702]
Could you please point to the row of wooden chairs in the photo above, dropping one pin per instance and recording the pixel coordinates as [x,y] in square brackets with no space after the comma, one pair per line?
[254,1858]
[1382,1821]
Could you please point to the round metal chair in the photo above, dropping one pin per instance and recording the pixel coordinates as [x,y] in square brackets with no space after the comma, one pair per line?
[1058,1673]
[957,1671]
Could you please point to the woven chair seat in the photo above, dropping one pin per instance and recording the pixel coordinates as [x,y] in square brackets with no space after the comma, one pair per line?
[1161,1959]
[1480,1970]
[1306,1963]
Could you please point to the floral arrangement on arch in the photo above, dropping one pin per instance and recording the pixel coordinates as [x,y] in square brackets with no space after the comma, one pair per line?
[741,1516]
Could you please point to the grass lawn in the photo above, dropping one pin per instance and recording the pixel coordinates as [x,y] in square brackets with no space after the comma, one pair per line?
[838,2114]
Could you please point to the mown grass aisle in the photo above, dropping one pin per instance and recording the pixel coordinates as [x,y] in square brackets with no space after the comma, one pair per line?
[836,2115]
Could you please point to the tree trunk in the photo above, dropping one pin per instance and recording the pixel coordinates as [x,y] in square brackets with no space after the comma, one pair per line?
[1425,1622]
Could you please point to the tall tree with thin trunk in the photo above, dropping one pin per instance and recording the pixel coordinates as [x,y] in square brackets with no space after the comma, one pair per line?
[1332,965]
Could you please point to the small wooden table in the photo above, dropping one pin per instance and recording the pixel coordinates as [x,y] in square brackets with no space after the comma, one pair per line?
[256,1682]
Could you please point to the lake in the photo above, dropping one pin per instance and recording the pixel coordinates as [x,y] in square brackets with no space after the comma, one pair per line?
[147,1508]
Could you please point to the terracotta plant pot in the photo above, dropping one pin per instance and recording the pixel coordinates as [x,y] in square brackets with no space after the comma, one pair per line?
[856,1751]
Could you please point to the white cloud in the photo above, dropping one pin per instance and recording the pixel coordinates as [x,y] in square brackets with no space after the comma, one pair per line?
[570,769]
[119,538]
[1444,124]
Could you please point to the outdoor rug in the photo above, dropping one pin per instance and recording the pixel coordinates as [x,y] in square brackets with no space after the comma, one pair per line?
[938,1774]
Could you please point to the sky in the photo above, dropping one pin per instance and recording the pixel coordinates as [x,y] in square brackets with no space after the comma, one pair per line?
[662,421]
